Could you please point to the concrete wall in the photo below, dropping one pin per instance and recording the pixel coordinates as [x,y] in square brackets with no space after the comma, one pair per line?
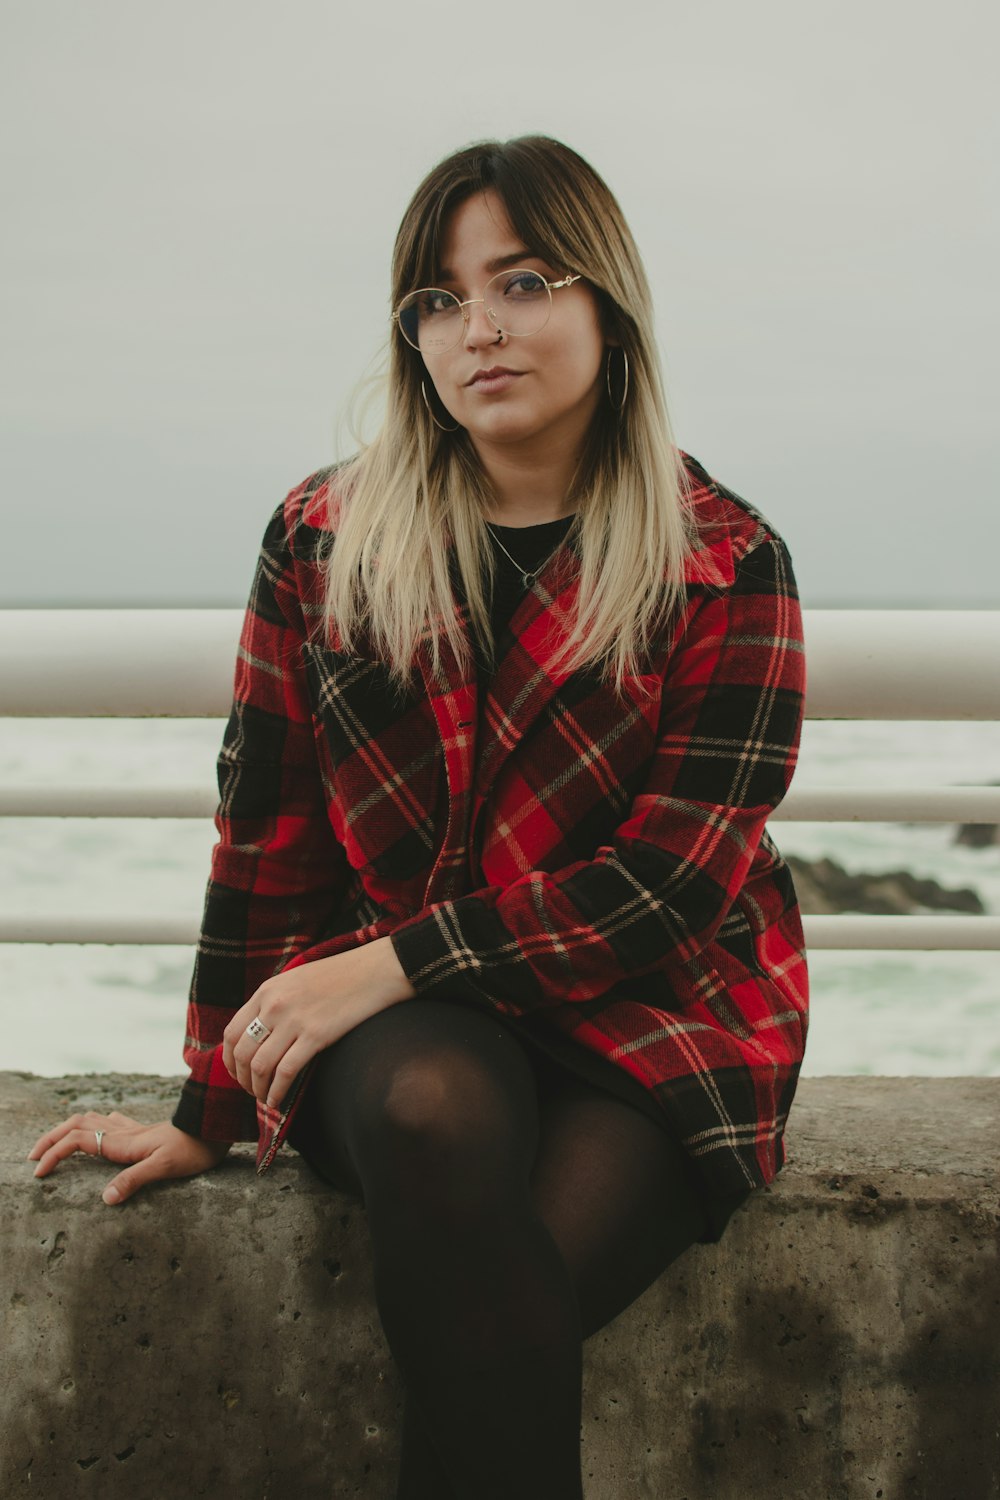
[219,1336]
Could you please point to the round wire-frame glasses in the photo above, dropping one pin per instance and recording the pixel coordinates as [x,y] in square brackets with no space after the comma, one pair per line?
[517,302]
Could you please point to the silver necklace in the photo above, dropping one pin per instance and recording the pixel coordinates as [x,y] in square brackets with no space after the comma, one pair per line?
[527,579]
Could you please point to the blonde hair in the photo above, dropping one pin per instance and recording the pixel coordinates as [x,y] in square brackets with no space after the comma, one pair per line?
[415,492]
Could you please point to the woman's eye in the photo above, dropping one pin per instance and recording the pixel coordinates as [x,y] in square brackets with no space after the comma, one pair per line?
[524,284]
[438,302]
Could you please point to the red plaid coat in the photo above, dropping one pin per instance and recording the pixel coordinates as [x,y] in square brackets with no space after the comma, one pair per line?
[600,865]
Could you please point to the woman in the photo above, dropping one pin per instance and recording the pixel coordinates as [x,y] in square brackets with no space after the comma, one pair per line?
[495,935]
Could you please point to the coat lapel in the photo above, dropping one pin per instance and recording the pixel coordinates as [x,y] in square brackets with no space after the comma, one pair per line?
[522,687]
[452,694]
[525,680]
[476,744]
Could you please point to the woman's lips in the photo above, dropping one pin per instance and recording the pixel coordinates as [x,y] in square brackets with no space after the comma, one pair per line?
[489,381]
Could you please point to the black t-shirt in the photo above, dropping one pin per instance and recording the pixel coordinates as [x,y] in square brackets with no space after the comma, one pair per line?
[531,546]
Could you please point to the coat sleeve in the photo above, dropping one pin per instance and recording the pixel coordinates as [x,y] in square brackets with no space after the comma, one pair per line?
[277,869]
[657,893]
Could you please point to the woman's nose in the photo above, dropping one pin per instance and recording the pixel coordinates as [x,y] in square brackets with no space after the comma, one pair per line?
[478,328]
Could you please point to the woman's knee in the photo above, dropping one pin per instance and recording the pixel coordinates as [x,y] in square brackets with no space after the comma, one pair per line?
[446,1106]
[435,1086]
[429,1096]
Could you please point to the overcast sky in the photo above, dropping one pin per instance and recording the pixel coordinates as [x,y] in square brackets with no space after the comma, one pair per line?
[200,201]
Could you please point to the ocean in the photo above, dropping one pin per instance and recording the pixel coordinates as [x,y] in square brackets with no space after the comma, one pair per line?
[82,1008]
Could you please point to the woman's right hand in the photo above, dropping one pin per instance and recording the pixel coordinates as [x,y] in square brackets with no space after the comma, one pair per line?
[152,1151]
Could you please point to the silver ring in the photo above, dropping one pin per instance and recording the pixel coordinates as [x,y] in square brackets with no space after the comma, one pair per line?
[100,1137]
[257,1029]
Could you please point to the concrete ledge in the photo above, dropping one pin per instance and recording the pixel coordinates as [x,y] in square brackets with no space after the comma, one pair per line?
[219,1336]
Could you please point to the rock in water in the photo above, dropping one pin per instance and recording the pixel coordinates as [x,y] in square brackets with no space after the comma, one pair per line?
[825,887]
[978,835]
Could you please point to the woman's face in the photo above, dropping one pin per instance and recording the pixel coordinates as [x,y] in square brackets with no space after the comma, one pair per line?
[556,376]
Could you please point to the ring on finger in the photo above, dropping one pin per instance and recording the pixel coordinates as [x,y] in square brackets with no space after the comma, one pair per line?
[100,1137]
[257,1030]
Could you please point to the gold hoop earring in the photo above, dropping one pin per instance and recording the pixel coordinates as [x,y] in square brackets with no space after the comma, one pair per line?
[619,406]
[430,413]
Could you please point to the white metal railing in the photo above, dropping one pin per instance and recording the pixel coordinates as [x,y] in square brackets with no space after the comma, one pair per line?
[178,663]
[863,664]
[842,931]
[960,804]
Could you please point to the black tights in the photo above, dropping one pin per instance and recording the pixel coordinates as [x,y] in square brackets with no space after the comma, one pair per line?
[514,1210]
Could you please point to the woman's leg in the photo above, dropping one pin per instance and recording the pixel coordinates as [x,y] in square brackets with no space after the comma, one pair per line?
[618,1196]
[616,1192]
[430,1110]
[611,1187]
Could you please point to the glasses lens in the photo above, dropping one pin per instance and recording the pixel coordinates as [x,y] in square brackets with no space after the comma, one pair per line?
[431,320]
[518,302]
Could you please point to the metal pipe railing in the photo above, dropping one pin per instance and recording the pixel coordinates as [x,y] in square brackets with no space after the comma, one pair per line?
[927,934]
[832,804]
[170,663]
[863,664]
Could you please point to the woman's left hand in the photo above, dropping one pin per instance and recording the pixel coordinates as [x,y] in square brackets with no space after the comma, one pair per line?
[307,1009]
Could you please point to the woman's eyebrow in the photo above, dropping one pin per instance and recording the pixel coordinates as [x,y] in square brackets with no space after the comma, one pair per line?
[501,263]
